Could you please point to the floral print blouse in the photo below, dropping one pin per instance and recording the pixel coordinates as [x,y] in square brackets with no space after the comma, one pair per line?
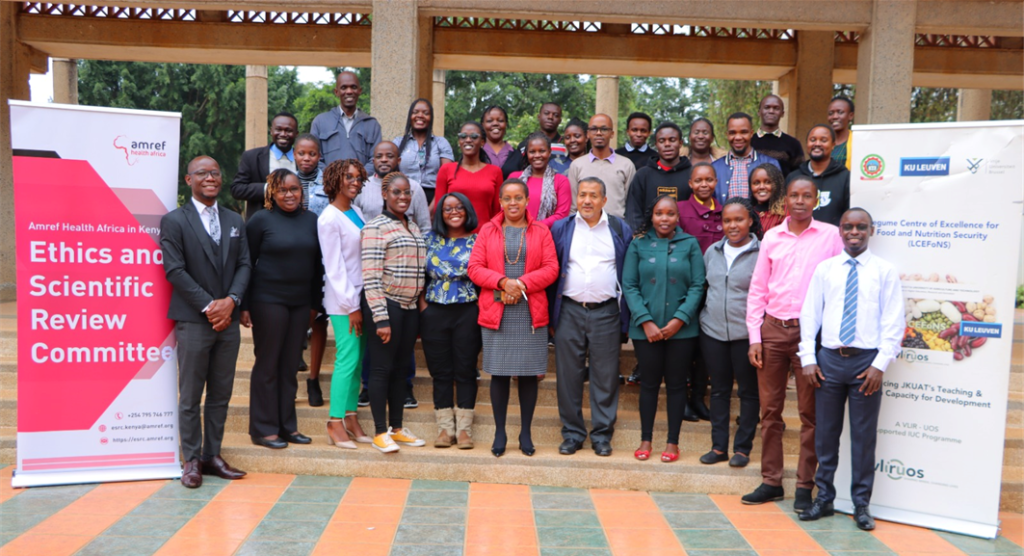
[447,261]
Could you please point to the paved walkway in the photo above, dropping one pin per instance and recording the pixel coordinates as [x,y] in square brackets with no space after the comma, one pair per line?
[288,515]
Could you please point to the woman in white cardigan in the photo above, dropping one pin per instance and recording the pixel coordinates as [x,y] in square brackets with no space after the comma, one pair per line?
[338,228]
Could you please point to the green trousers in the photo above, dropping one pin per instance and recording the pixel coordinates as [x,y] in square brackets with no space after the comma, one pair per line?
[348,362]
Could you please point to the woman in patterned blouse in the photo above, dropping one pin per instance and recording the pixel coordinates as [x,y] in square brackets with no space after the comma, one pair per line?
[451,343]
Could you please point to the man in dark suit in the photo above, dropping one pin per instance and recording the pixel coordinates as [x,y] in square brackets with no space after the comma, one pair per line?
[250,182]
[206,259]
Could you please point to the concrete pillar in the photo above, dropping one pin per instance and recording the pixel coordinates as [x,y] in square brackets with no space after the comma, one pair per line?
[607,102]
[425,60]
[885,63]
[974,105]
[395,59]
[255,106]
[65,81]
[809,85]
[777,90]
[437,99]
[14,71]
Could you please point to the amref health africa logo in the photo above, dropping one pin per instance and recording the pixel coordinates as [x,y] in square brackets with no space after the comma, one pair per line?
[133,149]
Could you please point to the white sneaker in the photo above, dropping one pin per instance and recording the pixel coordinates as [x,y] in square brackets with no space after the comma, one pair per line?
[405,436]
[384,443]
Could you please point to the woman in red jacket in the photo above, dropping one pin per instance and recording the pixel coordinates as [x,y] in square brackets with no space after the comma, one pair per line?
[513,262]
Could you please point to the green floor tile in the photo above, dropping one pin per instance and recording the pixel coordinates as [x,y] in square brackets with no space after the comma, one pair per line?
[121,546]
[319,481]
[535,489]
[299,531]
[313,495]
[975,546]
[578,537]
[269,548]
[684,502]
[562,502]
[24,505]
[175,491]
[575,552]
[146,526]
[14,523]
[451,499]
[434,516]
[837,522]
[419,484]
[7,537]
[710,539]
[425,550]
[698,520]
[724,553]
[849,541]
[314,513]
[566,518]
[430,534]
[177,508]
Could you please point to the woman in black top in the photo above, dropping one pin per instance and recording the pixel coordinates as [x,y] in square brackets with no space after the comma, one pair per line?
[286,281]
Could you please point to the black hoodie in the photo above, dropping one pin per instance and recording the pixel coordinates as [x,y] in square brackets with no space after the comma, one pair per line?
[833,190]
[652,181]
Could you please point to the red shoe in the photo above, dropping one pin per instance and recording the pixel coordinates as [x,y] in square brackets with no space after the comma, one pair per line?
[669,457]
[642,455]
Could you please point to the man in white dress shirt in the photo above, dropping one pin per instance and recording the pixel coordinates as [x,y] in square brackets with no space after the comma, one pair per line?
[856,301]
[588,316]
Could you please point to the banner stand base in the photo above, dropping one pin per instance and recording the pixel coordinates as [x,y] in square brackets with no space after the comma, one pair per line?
[917,519]
[22,479]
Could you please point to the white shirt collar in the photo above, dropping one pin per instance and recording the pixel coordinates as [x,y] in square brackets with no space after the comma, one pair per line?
[602,220]
[201,207]
[629,147]
[863,259]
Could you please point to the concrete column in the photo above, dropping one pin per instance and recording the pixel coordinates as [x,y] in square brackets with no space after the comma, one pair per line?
[395,58]
[885,63]
[974,105]
[777,89]
[607,102]
[255,106]
[437,99]
[14,71]
[425,60]
[809,85]
[65,81]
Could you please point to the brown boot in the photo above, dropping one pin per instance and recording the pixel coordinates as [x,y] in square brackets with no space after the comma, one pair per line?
[445,427]
[464,426]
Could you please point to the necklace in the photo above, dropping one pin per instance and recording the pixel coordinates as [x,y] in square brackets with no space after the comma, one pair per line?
[519,252]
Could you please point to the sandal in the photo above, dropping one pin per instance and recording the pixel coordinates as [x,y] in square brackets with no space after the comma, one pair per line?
[642,455]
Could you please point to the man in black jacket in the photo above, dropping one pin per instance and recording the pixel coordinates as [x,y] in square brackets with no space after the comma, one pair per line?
[831,176]
[250,182]
[206,260]
[669,174]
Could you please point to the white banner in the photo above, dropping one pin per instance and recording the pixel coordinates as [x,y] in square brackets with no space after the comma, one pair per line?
[946,200]
[97,372]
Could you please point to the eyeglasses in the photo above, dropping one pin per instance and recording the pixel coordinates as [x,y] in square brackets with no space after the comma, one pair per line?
[456,208]
[601,130]
[473,136]
[201,174]
[290,191]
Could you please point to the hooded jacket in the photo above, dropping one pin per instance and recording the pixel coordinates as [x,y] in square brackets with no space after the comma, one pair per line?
[724,316]
[833,190]
[652,181]
[338,144]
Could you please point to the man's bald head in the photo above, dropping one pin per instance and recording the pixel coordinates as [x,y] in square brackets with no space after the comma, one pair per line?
[600,131]
[195,163]
[386,158]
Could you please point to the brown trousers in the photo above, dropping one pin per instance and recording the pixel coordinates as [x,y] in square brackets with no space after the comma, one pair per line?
[778,352]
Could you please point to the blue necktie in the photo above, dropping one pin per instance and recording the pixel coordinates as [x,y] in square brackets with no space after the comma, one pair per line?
[848,330]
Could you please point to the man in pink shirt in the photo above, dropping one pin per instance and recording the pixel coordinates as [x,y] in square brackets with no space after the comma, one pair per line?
[789,254]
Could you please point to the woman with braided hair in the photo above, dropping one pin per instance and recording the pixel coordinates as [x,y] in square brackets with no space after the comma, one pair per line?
[473,175]
[550,193]
[422,153]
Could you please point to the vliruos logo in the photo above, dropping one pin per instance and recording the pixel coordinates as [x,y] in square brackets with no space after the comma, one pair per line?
[135,149]
[896,470]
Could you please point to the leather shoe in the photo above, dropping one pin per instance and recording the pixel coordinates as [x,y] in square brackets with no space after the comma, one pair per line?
[817,511]
[739,460]
[802,500]
[192,474]
[602,448]
[863,518]
[296,438]
[713,457]
[275,444]
[569,447]
[689,415]
[217,466]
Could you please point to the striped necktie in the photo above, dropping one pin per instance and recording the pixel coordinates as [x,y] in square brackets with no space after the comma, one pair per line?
[848,329]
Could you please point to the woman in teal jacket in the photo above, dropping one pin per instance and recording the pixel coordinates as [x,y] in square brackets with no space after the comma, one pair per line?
[663,282]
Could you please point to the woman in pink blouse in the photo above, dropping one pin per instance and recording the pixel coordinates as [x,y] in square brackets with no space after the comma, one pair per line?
[550,194]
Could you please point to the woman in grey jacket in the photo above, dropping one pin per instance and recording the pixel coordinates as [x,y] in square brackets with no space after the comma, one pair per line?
[723,331]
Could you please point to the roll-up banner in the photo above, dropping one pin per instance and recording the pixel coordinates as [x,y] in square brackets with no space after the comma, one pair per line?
[946,201]
[97,372]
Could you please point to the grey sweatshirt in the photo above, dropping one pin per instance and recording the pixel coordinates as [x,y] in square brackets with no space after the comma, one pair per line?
[724,316]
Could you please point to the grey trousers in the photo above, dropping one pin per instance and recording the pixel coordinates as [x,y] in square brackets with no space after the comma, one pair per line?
[206,360]
[581,332]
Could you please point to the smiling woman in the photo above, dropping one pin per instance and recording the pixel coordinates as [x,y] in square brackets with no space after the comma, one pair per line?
[473,175]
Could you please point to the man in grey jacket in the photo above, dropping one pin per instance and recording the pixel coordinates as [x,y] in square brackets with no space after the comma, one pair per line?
[346,131]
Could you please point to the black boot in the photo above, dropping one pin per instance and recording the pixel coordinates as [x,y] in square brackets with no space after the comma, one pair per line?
[699,389]
[699,408]
[316,396]
[688,414]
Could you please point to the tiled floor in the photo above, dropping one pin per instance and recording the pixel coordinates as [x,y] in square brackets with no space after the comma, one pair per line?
[288,515]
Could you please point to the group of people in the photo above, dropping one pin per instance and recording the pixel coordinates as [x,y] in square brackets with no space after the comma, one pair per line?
[720,269]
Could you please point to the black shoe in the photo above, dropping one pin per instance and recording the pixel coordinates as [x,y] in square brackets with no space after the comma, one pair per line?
[316,395]
[817,511]
[689,415]
[602,448]
[863,518]
[634,377]
[302,365]
[364,398]
[275,444]
[802,500]
[498,449]
[739,460]
[526,446]
[700,409]
[569,447]
[410,400]
[762,494]
[713,457]
[296,438]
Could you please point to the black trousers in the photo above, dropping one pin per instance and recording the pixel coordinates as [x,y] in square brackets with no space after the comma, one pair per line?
[668,360]
[389,363]
[452,345]
[728,361]
[277,335]
[841,384]
[206,361]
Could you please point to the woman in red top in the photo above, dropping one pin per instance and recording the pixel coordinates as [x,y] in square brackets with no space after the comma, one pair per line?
[699,215]
[768,195]
[513,262]
[472,175]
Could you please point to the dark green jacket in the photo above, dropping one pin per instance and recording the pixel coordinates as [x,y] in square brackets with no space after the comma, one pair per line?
[663,279]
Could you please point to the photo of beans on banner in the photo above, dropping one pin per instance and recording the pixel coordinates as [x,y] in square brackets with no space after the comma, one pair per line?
[936,324]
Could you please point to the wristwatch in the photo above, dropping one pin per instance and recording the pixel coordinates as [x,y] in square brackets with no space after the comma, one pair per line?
[234,298]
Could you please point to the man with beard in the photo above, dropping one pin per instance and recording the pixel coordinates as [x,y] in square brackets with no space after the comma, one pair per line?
[250,183]
[669,174]
[771,141]
[601,162]
[830,175]
[733,169]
